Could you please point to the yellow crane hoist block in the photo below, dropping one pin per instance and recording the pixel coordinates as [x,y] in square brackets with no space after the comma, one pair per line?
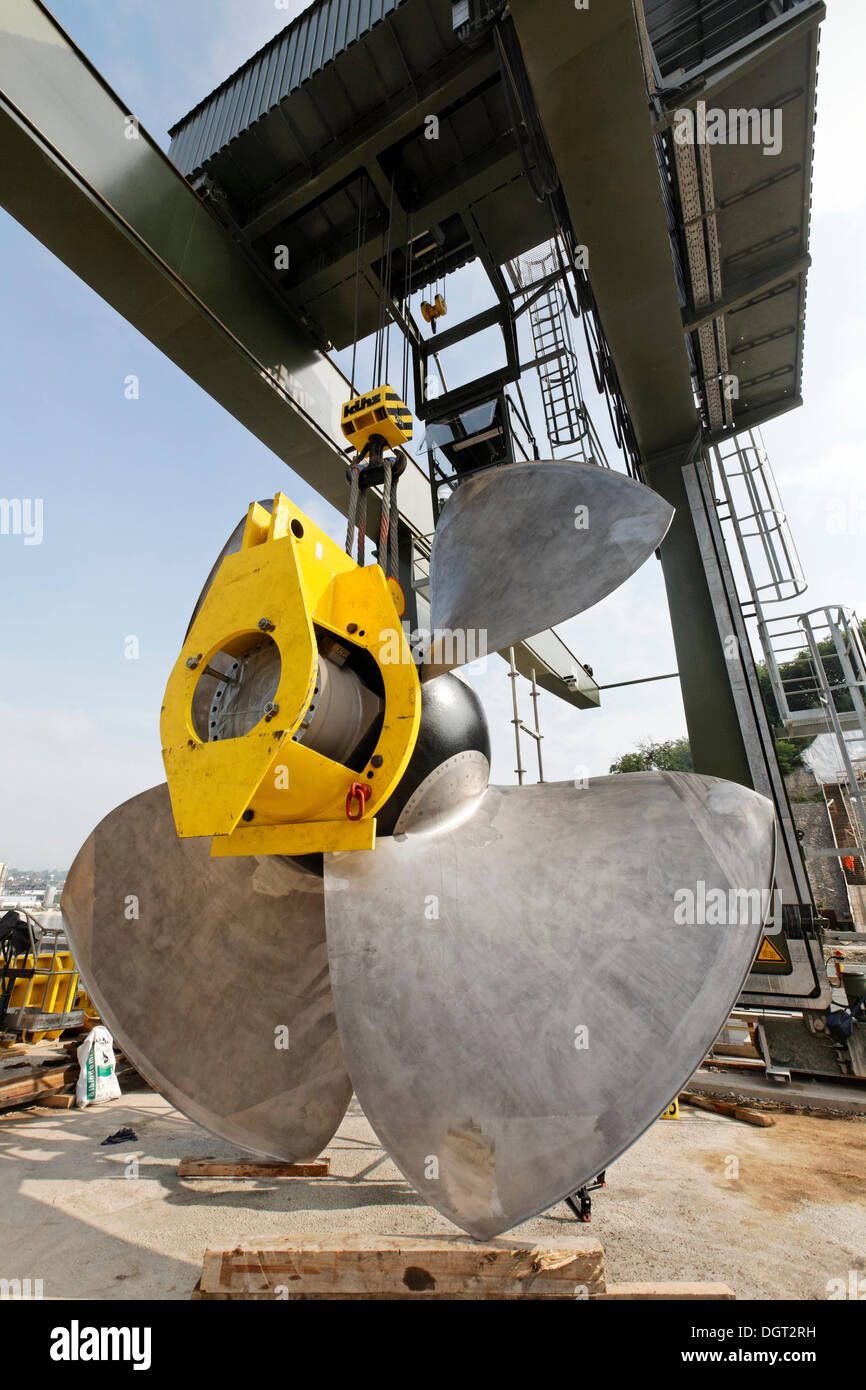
[431,312]
[294,706]
[377,412]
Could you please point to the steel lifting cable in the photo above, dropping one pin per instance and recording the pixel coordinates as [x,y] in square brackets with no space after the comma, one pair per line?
[380,323]
[362,525]
[385,522]
[352,509]
[389,275]
[393,533]
[379,347]
[389,526]
[407,302]
[362,230]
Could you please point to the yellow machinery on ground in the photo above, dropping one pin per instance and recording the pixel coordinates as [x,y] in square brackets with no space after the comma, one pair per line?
[294,706]
[38,986]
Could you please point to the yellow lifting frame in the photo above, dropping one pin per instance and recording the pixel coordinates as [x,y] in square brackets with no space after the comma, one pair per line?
[291,574]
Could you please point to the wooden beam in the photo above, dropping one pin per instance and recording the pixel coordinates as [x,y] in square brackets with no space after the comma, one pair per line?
[404,1267]
[226,1168]
[723,1107]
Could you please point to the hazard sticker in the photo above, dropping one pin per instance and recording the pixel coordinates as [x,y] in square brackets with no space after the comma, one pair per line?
[773,957]
[672,1112]
[769,952]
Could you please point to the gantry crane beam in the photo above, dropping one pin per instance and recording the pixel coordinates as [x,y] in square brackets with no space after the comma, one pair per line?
[87,180]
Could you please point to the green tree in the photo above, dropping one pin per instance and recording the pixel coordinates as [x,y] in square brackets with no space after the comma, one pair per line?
[672,756]
[800,690]
[789,751]
[676,756]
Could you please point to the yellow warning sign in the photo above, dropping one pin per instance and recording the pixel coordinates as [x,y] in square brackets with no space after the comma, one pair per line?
[672,1112]
[769,953]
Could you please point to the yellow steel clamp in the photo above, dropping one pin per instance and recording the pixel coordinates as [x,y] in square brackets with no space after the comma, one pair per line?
[264,792]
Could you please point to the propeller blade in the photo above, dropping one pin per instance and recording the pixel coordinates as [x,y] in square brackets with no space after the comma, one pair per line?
[213,976]
[519,997]
[523,547]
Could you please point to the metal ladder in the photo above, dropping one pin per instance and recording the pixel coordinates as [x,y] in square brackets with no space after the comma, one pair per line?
[567,421]
[555,357]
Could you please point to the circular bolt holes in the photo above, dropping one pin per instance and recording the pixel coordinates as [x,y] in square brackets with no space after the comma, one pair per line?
[296,528]
[248,815]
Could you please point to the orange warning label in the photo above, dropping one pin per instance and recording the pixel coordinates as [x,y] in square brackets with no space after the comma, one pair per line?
[769,953]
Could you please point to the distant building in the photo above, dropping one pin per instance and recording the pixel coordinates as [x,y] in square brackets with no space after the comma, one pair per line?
[22,899]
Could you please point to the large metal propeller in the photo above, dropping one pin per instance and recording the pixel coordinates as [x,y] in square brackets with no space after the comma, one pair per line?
[522,977]
[521,996]
[522,548]
[213,975]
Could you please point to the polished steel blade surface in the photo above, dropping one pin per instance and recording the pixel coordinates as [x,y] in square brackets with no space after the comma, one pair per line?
[523,547]
[520,997]
[213,976]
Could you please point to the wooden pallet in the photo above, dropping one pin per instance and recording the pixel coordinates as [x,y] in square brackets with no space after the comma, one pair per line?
[266,1168]
[34,1085]
[305,1268]
[42,1085]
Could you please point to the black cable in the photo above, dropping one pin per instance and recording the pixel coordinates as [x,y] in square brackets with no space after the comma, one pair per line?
[407,301]
[542,178]
[389,278]
[362,223]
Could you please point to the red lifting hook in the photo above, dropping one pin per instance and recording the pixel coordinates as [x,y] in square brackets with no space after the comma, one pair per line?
[357,795]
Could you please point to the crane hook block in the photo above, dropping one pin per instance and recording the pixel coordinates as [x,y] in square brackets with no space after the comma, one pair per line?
[379,412]
[431,312]
[295,684]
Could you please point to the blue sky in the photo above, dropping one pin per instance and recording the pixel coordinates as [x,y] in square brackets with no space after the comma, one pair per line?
[139,495]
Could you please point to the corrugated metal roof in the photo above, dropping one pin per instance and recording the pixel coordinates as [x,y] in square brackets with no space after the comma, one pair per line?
[302,49]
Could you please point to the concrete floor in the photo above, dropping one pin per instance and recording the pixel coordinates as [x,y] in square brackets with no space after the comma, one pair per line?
[792,1218]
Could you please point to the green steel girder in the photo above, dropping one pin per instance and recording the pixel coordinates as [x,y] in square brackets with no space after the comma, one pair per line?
[119,214]
[587,76]
[589,81]
[85,179]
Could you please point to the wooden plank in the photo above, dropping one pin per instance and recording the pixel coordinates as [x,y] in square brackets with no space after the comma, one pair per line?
[733,1063]
[65,1100]
[404,1267]
[724,1107]
[267,1168]
[667,1291]
[33,1084]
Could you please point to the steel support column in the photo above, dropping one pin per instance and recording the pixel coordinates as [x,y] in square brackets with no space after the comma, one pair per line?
[715,735]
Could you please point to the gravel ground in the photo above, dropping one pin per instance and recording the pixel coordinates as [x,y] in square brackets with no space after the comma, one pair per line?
[776,1213]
